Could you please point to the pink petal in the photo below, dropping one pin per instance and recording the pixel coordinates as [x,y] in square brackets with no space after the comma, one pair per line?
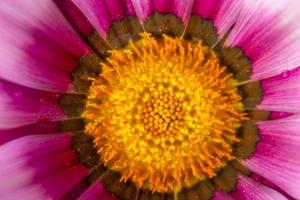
[97,191]
[39,166]
[75,17]
[277,154]
[32,129]
[268,32]
[247,189]
[39,48]
[102,13]
[282,92]
[33,192]
[207,8]
[222,12]
[182,9]
[279,115]
[219,195]
[33,146]
[21,106]
[266,182]
[76,191]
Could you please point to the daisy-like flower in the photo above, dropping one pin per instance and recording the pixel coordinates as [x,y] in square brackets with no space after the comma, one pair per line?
[149,99]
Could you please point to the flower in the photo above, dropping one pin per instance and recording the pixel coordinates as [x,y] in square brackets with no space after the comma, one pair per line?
[149,99]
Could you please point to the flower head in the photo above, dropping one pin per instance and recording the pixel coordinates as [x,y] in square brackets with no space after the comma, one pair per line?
[166,97]
[149,99]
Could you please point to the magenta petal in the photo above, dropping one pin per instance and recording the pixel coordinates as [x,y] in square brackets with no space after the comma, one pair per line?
[97,191]
[39,48]
[219,195]
[32,129]
[102,13]
[282,92]
[33,146]
[143,8]
[33,192]
[40,165]
[76,191]
[207,8]
[181,9]
[268,33]
[75,17]
[21,106]
[163,6]
[279,115]
[266,182]
[47,18]
[224,15]
[277,154]
[247,189]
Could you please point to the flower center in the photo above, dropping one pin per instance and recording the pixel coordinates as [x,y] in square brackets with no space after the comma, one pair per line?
[164,113]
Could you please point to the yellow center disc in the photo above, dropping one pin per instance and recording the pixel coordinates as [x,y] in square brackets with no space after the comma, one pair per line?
[164,113]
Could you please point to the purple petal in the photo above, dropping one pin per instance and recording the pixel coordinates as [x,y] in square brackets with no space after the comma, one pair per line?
[247,189]
[102,13]
[282,92]
[39,48]
[277,154]
[75,17]
[39,166]
[21,106]
[268,32]
[181,9]
[97,191]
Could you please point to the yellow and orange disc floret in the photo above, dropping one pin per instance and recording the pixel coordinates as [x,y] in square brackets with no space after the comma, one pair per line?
[164,113]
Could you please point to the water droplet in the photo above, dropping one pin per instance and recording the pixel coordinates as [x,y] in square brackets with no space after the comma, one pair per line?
[285,74]
[281,113]
[57,96]
[42,100]
[18,93]
[70,87]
